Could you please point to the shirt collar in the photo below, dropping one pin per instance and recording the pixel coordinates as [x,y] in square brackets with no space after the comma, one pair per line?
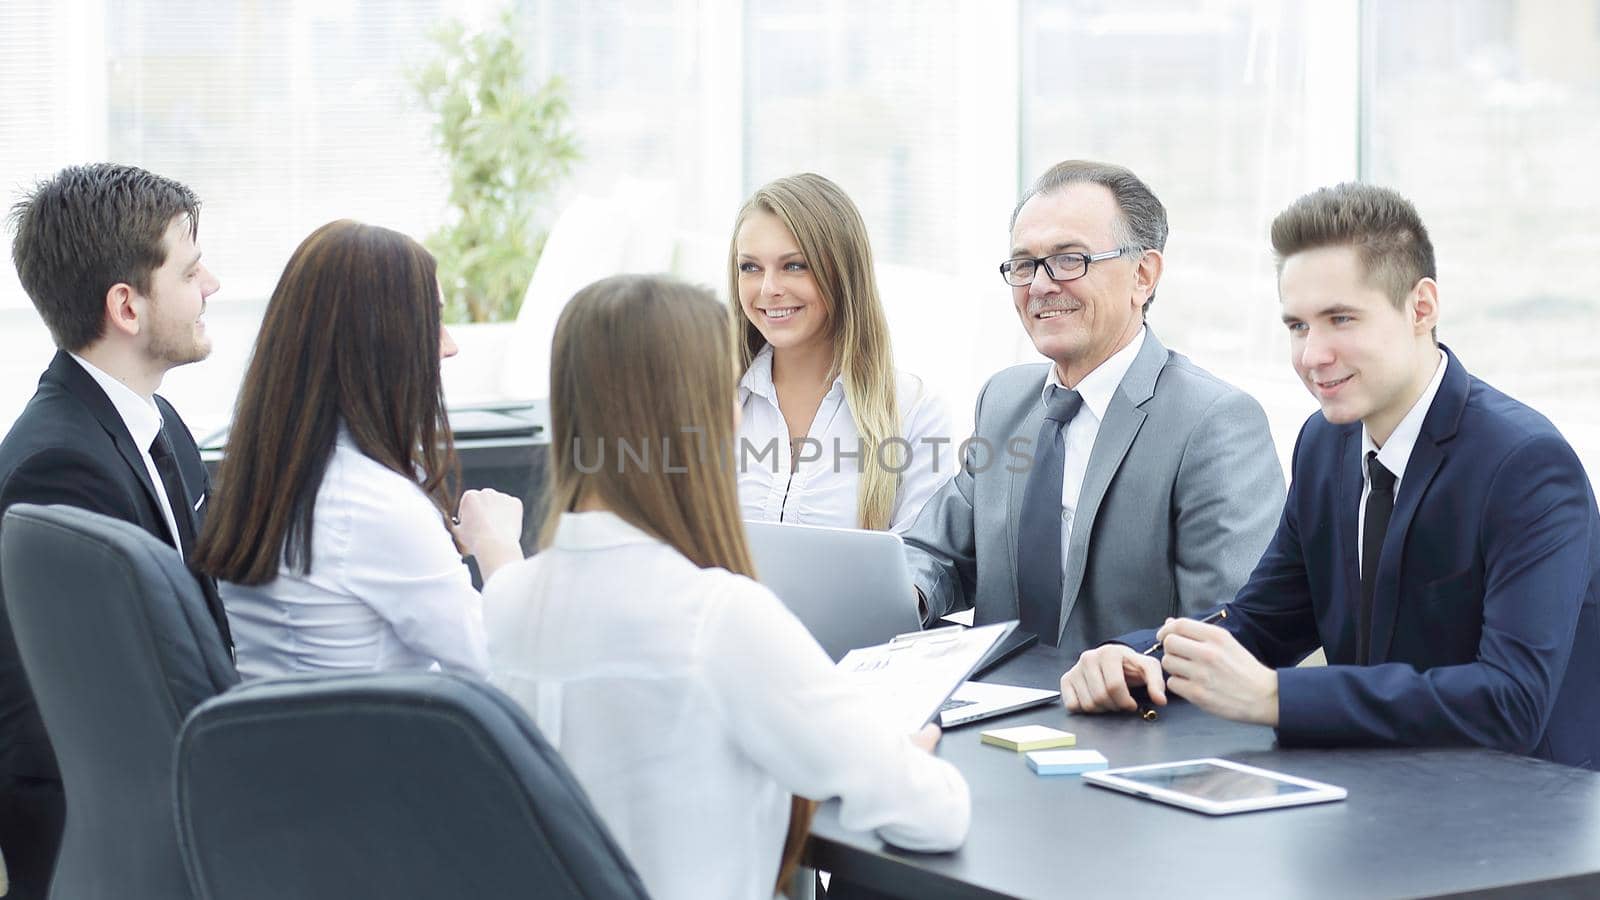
[758,378]
[1097,387]
[597,530]
[141,416]
[1396,451]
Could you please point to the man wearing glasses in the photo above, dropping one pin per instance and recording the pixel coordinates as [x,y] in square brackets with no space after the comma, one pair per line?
[1117,483]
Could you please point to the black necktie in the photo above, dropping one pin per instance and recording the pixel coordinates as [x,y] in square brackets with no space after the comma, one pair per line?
[183,517]
[1039,527]
[1380,503]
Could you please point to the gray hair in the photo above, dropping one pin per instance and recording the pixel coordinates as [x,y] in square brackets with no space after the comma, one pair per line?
[1142,224]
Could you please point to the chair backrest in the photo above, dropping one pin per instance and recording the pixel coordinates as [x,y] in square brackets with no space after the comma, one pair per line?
[118,646]
[388,786]
[593,237]
[576,252]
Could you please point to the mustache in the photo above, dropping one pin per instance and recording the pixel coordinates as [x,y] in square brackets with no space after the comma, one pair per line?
[1044,306]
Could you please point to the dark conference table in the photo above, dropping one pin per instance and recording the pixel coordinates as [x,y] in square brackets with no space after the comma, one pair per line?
[1417,823]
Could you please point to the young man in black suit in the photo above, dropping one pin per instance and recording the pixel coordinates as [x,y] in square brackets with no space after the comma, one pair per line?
[108,255]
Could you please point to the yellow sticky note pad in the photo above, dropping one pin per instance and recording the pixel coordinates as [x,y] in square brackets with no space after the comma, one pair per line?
[1029,737]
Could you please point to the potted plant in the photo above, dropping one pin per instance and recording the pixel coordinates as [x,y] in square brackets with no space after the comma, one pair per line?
[508,145]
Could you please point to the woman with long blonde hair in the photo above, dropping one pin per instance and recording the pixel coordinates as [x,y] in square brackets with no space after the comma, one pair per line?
[831,433]
[698,714]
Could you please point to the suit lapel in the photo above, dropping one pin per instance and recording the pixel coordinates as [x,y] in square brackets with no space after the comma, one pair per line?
[1427,455]
[72,377]
[1124,418]
[1349,529]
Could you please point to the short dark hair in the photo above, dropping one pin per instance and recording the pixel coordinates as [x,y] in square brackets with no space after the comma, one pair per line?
[1382,226]
[89,228]
[1143,223]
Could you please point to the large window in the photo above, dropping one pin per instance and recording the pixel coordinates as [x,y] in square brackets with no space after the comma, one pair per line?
[865,94]
[282,116]
[1491,125]
[932,114]
[653,118]
[1209,103]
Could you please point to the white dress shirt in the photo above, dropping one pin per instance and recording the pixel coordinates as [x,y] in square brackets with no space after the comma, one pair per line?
[143,420]
[386,588]
[1396,451]
[690,703]
[824,490]
[1096,389]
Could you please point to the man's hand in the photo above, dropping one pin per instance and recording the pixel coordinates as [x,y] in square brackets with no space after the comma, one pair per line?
[1209,668]
[1100,680]
[928,737]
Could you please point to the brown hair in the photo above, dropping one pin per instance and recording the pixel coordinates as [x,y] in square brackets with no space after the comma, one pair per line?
[674,392]
[1382,226]
[833,239]
[351,336]
[87,229]
[1142,224]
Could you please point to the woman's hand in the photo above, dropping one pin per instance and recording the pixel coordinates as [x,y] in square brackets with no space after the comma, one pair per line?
[489,527]
[928,737]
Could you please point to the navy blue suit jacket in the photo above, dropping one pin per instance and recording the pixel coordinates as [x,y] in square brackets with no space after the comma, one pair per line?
[1486,611]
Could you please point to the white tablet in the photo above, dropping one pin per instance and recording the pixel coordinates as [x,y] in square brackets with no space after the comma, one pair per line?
[1215,786]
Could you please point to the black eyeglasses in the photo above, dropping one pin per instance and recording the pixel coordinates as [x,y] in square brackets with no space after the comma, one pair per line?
[1019,272]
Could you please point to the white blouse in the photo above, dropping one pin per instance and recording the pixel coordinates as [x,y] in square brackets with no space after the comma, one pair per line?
[386,590]
[822,489]
[690,703]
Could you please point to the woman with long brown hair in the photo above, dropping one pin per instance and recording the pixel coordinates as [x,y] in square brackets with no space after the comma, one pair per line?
[832,434]
[698,713]
[331,537]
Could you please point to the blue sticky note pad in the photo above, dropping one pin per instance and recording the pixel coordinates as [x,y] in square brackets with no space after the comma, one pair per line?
[1065,762]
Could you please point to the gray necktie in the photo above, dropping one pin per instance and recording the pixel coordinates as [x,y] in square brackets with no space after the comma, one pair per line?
[1039,527]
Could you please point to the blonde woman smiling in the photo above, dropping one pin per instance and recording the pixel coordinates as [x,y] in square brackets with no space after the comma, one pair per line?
[830,433]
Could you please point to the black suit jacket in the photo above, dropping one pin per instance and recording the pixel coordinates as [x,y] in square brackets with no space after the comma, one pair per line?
[70,446]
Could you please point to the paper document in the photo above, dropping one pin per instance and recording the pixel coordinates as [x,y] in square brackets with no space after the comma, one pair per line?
[960,617]
[910,677]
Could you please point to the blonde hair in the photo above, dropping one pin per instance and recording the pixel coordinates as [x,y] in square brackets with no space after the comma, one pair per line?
[643,362]
[833,239]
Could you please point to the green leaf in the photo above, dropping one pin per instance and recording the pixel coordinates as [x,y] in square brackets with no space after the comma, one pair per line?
[508,144]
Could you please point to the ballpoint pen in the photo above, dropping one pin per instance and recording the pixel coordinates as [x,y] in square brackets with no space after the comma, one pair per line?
[1148,712]
[1212,619]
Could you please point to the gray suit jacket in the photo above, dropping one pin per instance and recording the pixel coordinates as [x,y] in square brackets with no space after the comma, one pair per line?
[1182,493]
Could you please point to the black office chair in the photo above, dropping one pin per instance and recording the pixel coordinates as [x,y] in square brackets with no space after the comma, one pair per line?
[118,645]
[390,786]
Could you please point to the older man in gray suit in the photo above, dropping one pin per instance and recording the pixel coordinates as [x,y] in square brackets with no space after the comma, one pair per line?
[1118,484]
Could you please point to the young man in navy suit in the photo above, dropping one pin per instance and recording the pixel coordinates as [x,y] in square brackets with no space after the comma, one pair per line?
[108,255]
[1440,539]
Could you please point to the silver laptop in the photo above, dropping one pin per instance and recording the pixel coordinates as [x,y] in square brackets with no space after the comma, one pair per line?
[974,701]
[850,588]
